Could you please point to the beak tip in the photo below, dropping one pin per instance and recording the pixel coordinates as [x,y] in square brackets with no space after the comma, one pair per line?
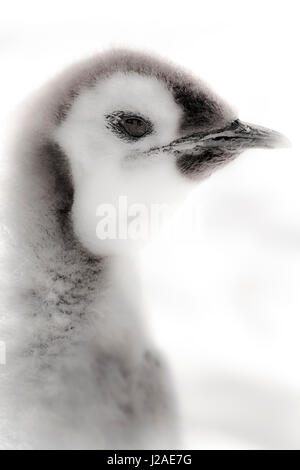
[282,142]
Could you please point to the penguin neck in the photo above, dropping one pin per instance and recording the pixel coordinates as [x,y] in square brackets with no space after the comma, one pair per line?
[63,289]
[49,261]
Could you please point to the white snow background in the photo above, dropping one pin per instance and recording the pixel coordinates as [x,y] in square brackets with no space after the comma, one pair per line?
[222,298]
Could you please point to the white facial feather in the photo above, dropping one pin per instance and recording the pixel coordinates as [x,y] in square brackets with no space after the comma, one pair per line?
[105,167]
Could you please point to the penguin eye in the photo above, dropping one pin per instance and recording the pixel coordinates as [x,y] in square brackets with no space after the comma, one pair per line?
[127,125]
[134,126]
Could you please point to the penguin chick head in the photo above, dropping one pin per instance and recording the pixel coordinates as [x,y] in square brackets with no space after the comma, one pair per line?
[140,133]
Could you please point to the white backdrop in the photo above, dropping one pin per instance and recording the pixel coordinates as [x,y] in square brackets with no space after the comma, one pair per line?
[224,305]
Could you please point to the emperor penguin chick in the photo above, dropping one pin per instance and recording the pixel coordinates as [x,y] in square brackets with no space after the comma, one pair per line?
[81,371]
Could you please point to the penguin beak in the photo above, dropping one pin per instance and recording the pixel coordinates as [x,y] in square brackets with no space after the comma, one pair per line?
[241,135]
[233,138]
[201,153]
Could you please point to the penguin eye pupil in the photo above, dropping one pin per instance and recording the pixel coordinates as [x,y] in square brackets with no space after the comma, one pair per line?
[134,126]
